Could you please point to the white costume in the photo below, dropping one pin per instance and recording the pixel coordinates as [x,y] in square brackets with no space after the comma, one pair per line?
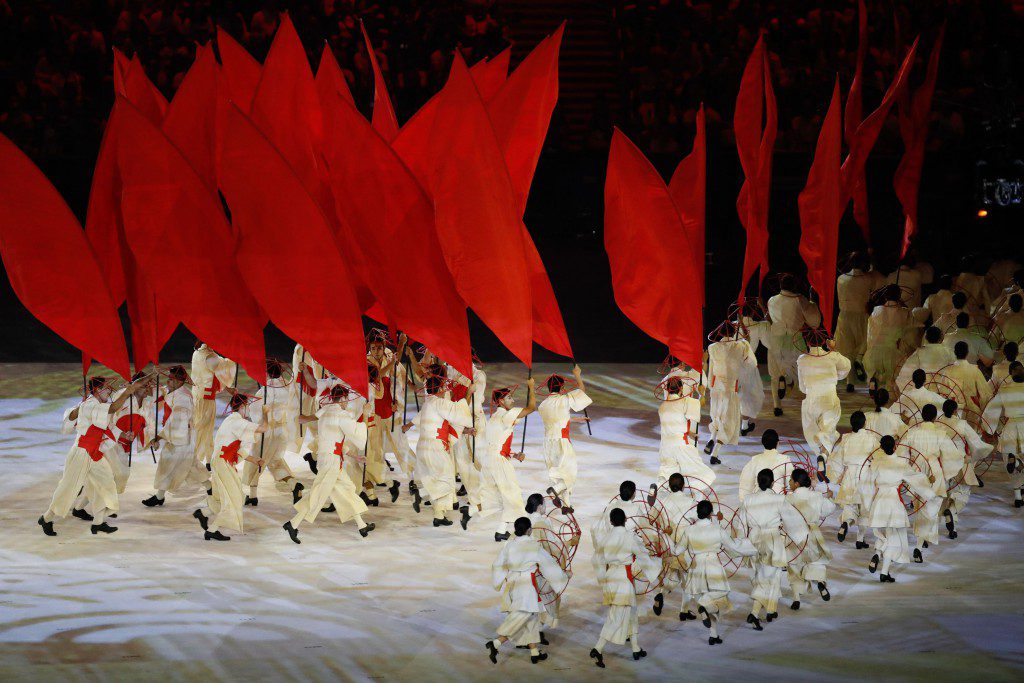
[559,454]
[780,465]
[279,403]
[210,375]
[812,564]
[178,466]
[852,452]
[620,559]
[977,346]
[885,331]
[885,422]
[1008,405]
[853,293]
[678,452]
[789,314]
[886,512]
[971,449]
[913,400]
[234,441]
[500,490]
[931,441]
[438,420]
[766,514]
[515,572]
[728,360]
[819,371]
[929,357]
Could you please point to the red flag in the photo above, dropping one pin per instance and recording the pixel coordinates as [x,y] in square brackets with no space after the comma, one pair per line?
[521,112]
[644,237]
[375,191]
[490,74]
[330,79]
[240,71]
[191,120]
[477,218]
[857,184]
[50,264]
[548,327]
[182,242]
[907,180]
[384,120]
[688,188]
[121,64]
[287,254]
[821,209]
[141,91]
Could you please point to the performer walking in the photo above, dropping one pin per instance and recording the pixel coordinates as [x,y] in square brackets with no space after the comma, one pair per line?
[555,413]
[278,403]
[811,565]
[500,490]
[726,360]
[211,374]
[770,459]
[819,370]
[1007,409]
[178,467]
[679,414]
[852,452]
[387,379]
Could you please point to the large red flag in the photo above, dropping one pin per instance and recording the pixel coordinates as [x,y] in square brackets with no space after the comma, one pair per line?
[50,264]
[490,74]
[644,238]
[182,242]
[287,254]
[688,188]
[239,69]
[191,120]
[548,326]
[375,191]
[121,64]
[821,208]
[857,183]
[384,120]
[330,79]
[907,180]
[140,90]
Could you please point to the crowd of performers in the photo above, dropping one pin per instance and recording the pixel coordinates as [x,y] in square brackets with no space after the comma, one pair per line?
[947,398]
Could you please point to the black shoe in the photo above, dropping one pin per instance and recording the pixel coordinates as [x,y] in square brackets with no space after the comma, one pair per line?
[329,508]
[638,654]
[297,492]
[659,603]
[209,491]
[861,545]
[492,652]
[714,641]
[252,501]
[795,605]
[455,505]
[390,466]
[771,616]
[369,502]
[981,484]
[461,491]
[105,528]
[850,388]
[215,536]
[709,447]
[417,499]
[203,519]
[47,527]
[750,428]
[871,393]
[751,619]
[781,388]
[706,620]
[293,533]
[543,639]
[365,531]
[308,457]
[594,654]
[538,658]
[465,517]
[822,471]
[859,372]
[82,515]
[777,412]
[1011,464]
[918,558]
[153,502]
[823,589]
[208,468]
[844,529]
[1018,503]
[498,538]
[885,578]
[443,522]
[113,516]
[715,461]
[412,485]
[873,564]
[394,490]
[924,544]
[687,616]
[566,510]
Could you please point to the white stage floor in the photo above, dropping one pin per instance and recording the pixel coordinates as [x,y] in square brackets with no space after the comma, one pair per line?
[156,602]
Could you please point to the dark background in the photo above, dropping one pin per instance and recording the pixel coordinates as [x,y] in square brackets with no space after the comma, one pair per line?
[642,66]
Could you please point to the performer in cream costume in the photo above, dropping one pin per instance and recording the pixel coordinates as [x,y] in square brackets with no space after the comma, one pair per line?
[727,359]
[88,462]
[790,313]
[178,467]
[467,464]
[1005,415]
[278,404]
[779,464]
[340,435]
[679,415]
[386,436]
[886,326]
[211,374]
[930,441]
[819,370]
[679,513]
[500,490]
[853,295]
[515,572]
[306,442]
[847,464]
[970,449]
[131,424]
[555,413]
[811,565]
[932,357]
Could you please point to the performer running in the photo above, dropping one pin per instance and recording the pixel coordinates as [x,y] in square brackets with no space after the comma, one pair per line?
[726,360]
[819,370]
[853,294]
[811,565]
[211,374]
[500,490]
[851,454]
[388,379]
[178,467]
[680,512]
[770,459]
[559,454]
[278,404]
[790,312]
[885,331]
[883,419]
[1007,409]
[679,414]
[931,441]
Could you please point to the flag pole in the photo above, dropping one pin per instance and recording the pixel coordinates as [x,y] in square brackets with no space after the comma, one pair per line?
[301,363]
[590,432]
[131,426]
[156,414]
[522,446]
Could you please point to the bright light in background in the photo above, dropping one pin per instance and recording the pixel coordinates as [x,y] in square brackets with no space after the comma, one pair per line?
[982,213]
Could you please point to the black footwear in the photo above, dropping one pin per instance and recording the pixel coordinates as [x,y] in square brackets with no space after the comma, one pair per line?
[771,616]
[297,492]
[873,564]
[208,468]
[885,578]
[104,527]
[443,522]
[329,508]
[751,619]
[492,652]
[252,501]
[293,533]
[538,658]
[850,388]
[543,639]
[1018,503]
[82,515]
[950,524]
[777,412]
[394,490]
[687,616]
[823,589]
[465,517]
[215,536]
[308,457]
[209,491]
[594,654]
[871,393]
[706,620]
[918,558]
[1011,464]
[844,529]
[203,519]
[795,605]
[781,388]
[981,484]
[822,471]
[638,654]
[455,505]
[659,603]
[714,641]
[709,447]
[369,502]
[498,538]
[365,531]
[750,428]
[859,372]
[417,499]
[153,501]
[861,545]
[924,544]
[461,491]
[412,485]
[391,467]
[714,460]
[566,510]
[47,527]
[113,516]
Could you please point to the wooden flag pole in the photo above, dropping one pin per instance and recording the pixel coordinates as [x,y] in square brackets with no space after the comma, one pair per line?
[131,425]
[590,432]
[522,445]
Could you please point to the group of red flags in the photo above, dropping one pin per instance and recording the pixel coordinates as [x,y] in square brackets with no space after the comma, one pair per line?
[654,234]
[260,193]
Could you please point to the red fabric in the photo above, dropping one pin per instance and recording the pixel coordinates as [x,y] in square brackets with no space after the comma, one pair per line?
[653,274]
[688,188]
[91,441]
[282,233]
[445,432]
[914,127]
[50,264]
[167,414]
[330,79]
[565,431]
[240,71]
[506,448]
[521,112]
[854,114]
[230,452]
[533,577]
[210,392]
[459,392]
[821,208]
[191,120]
[384,120]
[629,572]
[121,63]
[490,74]
[755,145]
[382,407]
[339,450]
[180,238]
[133,428]
[548,327]
[477,219]
[142,93]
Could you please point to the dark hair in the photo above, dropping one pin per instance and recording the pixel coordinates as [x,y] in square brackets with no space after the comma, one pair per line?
[963,320]
[626,490]
[498,395]
[888,444]
[555,384]
[177,372]
[704,509]
[534,501]
[433,384]
[674,385]
[933,335]
[1016,302]
[949,407]
[765,479]
[338,391]
[522,526]
[96,383]
[676,482]
[770,439]
[893,293]
[959,299]
[1010,350]
[274,369]
[617,517]
[929,412]
[960,350]
[858,420]
[944,281]
[801,477]
[237,402]
[919,377]
[881,397]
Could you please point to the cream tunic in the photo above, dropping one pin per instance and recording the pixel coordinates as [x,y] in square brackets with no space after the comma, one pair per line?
[780,465]
[210,374]
[340,436]
[559,454]
[234,441]
[727,362]
[853,293]
[818,372]
[435,466]
[178,466]
[500,490]
[678,451]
